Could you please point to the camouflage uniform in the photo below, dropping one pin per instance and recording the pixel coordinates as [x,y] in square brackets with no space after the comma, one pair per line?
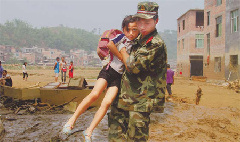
[142,87]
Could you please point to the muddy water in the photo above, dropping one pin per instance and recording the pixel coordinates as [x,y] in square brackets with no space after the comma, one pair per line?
[179,122]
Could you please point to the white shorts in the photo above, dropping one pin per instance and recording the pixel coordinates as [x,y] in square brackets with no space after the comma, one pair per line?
[56,74]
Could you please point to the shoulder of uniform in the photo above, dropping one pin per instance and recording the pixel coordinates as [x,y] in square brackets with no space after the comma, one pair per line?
[157,40]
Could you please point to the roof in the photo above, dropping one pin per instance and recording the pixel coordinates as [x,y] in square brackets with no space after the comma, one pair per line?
[189,11]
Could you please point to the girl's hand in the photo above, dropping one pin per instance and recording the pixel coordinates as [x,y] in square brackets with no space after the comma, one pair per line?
[123,50]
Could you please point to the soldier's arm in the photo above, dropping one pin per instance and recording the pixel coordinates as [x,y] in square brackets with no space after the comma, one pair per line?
[144,60]
[125,56]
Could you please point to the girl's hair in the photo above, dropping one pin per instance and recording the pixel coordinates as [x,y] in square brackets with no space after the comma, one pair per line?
[24,63]
[128,19]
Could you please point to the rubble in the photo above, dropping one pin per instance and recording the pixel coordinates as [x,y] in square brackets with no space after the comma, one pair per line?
[234,85]
[22,107]
[2,130]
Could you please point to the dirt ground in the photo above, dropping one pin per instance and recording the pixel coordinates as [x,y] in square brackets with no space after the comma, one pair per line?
[216,118]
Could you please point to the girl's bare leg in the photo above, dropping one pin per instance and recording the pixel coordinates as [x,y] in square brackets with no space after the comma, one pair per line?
[107,101]
[100,85]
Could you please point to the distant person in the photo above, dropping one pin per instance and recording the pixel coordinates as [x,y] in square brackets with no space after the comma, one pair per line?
[56,69]
[71,68]
[6,79]
[109,78]
[1,69]
[63,68]
[24,68]
[170,80]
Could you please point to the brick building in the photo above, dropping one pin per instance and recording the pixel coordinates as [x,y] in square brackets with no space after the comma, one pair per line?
[232,50]
[6,51]
[190,45]
[214,45]
[220,37]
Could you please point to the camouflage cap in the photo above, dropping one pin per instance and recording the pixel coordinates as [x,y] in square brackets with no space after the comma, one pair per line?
[147,10]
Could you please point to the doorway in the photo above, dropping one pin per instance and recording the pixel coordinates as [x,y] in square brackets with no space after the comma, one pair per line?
[196,65]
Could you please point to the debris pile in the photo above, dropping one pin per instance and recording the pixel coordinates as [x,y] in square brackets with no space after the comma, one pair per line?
[21,107]
[2,130]
[235,85]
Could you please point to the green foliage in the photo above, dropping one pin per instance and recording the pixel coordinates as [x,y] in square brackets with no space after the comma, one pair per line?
[20,34]
[170,39]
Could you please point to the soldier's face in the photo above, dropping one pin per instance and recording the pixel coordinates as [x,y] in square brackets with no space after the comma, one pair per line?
[146,26]
[132,32]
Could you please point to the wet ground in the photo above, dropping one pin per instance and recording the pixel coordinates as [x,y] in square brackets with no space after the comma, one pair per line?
[216,119]
[179,122]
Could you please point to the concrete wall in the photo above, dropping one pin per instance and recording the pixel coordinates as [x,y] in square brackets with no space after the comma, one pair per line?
[22,93]
[232,41]
[183,62]
[217,44]
[58,96]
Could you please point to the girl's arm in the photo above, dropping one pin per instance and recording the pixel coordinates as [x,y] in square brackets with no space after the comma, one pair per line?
[125,56]
[112,47]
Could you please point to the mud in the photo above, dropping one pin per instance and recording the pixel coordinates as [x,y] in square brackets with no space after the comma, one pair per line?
[216,118]
[179,122]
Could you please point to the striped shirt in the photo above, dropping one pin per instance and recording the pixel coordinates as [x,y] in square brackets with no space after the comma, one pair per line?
[120,41]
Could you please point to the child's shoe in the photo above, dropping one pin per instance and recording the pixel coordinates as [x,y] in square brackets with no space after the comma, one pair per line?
[87,138]
[67,129]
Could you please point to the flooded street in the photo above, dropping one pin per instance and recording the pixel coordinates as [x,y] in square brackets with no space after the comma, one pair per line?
[179,122]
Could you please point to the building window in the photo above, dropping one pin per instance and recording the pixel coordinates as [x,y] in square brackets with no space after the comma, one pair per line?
[179,28]
[217,64]
[208,18]
[208,43]
[234,21]
[233,62]
[199,18]
[183,22]
[183,43]
[219,26]
[219,2]
[179,44]
[199,40]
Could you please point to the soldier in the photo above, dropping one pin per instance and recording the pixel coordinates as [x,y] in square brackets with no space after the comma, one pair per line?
[143,84]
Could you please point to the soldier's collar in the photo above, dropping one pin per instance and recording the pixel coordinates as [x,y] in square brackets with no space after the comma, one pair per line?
[147,38]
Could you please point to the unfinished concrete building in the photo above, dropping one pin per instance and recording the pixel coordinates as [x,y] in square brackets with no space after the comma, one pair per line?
[214,47]
[190,45]
[232,50]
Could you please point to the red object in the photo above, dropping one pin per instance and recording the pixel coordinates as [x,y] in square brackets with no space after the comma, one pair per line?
[64,69]
[149,39]
[102,48]
[71,71]
[180,73]
[208,57]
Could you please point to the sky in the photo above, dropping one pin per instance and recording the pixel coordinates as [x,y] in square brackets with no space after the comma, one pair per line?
[90,14]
